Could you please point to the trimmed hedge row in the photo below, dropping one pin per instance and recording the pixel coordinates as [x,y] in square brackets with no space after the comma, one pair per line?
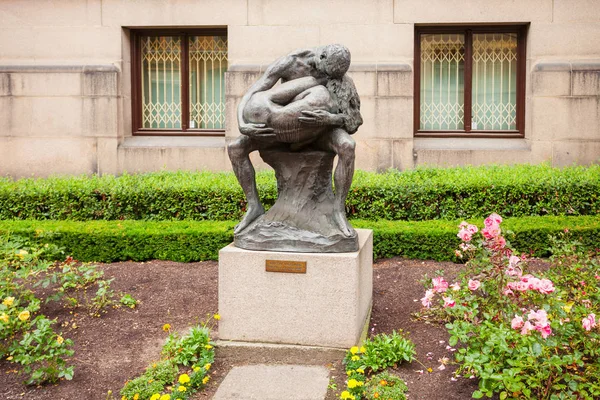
[414,195]
[110,241]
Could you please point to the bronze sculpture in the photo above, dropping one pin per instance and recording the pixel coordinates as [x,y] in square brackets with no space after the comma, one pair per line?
[309,117]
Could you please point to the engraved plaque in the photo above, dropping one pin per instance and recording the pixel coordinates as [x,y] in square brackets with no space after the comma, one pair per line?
[290,267]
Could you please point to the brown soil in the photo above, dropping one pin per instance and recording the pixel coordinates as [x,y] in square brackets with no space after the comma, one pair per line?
[120,344]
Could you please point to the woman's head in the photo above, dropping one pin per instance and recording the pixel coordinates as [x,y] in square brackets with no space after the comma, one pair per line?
[333,60]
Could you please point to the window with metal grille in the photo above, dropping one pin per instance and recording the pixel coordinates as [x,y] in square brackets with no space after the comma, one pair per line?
[470,81]
[178,83]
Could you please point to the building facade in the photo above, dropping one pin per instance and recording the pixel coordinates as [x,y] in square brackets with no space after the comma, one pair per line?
[108,86]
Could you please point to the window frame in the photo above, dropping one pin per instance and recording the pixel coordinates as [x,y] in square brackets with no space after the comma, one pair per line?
[468,30]
[136,82]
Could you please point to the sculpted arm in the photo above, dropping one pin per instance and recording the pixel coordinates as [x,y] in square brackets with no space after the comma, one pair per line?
[273,73]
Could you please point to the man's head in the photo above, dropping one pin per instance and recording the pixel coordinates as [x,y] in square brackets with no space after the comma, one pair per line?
[333,60]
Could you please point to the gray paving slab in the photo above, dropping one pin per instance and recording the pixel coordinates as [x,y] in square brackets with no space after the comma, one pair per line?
[274,382]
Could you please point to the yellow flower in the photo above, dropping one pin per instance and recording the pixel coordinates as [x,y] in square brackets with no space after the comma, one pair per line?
[4,318]
[24,315]
[360,383]
[60,340]
[123,398]
[349,372]
[166,327]
[136,396]
[22,253]
[184,378]
[355,358]
[376,395]
[208,347]
[181,388]
[346,395]
[165,397]
[8,301]
[205,380]
[362,349]
[207,366]
[360,371]
[352,383]
[383,382]
[196,369]
[155,396]
[217,316]
[354,350]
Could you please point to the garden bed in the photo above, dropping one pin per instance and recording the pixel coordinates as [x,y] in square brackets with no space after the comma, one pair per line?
[120,344]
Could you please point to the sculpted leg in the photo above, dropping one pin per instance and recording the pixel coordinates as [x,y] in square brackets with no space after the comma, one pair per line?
[340,142]
[239,151]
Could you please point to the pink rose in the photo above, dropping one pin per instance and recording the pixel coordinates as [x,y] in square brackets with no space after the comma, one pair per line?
[540,317]
[527,327]
[589,322]
[472,229]
[426,301]
[448,302]
[498,243]
[439,284]
[545,286]
[544,330]
[464,235]
[493,219]
[490,232]
[474,284]
[517,322]
[522,286]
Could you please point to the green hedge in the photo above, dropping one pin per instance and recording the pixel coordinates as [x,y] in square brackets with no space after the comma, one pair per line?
[415,195]
[109,241]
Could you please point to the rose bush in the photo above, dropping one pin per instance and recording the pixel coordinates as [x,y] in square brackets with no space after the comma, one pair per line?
[524,335]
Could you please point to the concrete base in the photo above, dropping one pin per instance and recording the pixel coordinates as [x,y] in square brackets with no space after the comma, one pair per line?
[274,382]
[326,306]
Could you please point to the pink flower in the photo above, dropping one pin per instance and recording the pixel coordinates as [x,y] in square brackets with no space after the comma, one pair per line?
[464,235]
[490,232]
[474,284]
[527,327]
[439,284]
[507,291]
[513,261]
[426,301]
[589,322]
[493,219]
[472,229]
[517,322]
[544,330]
[466,246]
[448,302]
[540,317]
[545,286]
[455,286]
[522,286]
[498,243]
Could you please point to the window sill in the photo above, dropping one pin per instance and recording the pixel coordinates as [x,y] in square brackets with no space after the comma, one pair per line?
[496,144]
[173,141]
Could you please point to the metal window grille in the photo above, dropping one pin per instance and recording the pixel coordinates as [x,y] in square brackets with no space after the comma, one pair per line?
[442,81]
[207,66]
[494,81]
[161,82]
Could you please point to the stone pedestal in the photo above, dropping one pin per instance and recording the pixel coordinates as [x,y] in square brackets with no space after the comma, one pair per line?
[301,220]
[325,306]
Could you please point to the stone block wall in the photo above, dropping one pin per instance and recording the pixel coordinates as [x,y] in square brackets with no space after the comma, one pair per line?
[65,79]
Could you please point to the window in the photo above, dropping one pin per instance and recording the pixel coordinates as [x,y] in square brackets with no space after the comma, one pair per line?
[470,81]
[178,85]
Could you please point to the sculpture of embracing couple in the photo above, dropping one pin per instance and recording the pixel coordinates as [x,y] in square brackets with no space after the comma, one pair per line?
[316,106]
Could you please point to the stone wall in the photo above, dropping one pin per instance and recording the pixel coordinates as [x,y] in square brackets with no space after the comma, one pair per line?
[65,79]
